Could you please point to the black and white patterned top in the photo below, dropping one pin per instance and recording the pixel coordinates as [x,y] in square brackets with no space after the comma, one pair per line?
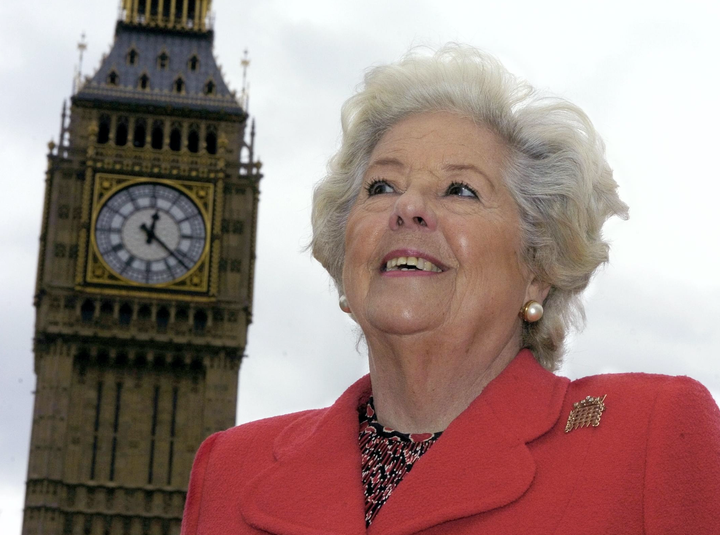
[387,455]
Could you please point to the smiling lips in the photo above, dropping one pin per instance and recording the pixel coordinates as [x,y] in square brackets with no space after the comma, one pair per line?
[411,263]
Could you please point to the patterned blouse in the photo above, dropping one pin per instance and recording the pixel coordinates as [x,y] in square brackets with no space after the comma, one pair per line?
[387,455]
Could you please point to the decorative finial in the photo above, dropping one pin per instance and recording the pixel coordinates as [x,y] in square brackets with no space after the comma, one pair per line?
[82,45]
[245,62]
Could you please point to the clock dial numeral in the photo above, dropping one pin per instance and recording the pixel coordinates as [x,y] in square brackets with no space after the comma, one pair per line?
[150,233]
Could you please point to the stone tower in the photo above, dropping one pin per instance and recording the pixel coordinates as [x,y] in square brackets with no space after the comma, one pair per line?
[145,277]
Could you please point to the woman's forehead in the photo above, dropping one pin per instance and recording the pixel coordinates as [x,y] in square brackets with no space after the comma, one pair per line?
[446,142]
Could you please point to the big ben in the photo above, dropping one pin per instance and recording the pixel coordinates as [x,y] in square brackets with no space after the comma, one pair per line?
[144,282]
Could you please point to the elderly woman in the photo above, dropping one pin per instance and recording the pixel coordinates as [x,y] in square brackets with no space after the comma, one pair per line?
[461,220]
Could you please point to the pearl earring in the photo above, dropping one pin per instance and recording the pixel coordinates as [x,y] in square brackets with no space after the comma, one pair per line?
[531,312]
[344,305]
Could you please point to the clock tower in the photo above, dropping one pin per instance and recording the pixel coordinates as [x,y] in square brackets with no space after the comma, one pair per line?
[144,282]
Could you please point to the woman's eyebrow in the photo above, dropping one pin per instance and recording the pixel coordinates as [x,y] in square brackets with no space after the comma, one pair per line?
[387,162]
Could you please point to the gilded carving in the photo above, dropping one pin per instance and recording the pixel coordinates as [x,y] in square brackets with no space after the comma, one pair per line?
[99,274]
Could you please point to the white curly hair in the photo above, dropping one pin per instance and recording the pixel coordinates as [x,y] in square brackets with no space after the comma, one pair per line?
[557,173]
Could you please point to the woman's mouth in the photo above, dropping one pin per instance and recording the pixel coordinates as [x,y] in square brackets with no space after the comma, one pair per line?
[411,263]
[407,260]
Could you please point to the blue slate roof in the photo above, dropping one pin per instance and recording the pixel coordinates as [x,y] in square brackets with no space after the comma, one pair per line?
[149,45]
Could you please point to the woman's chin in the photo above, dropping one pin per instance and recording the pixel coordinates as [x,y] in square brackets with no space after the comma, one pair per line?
[402,320]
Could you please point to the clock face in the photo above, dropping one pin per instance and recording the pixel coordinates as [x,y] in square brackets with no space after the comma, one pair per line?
[150,233]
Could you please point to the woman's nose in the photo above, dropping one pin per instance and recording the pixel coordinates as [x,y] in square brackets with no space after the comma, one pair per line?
[413,210]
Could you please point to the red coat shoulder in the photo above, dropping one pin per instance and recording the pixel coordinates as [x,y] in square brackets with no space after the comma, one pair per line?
[222,460]
[661,431]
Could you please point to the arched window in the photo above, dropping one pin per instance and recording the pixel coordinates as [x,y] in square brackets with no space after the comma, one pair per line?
[125,316]
[121,131]
[87,311]
[82,359]
[144,81]
[194,63]
[163,60]
[166,10]
[122,359]
[106,309]
[191,13]
[103,134]
[175,137]
[179,85]
[200,321]
[157,135]
[193,142]
[103,357]
[178,11]
[140,132]
[140,360]
[141,7]
[209,88]
[196,365]
[177,363]
[132,57]
[154,8]
[144,313]
[162,318]
[211,139]
[159,360]
[113,78]
[181,315]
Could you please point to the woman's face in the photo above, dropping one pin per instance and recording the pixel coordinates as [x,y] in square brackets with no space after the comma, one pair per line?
[432,241]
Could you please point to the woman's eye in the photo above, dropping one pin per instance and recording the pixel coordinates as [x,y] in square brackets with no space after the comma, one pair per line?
[379,186]
[461,190]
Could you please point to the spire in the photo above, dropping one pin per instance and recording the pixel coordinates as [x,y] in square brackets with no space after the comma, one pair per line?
[63,130]
[77,82]
[187,15]
[245,97]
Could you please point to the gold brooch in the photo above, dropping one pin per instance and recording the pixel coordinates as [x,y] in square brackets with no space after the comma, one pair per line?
[586,413]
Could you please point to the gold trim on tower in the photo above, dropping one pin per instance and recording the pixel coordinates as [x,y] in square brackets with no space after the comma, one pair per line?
[180,18]
[99,274]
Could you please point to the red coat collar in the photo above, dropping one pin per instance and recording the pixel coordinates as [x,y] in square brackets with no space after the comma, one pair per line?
[480,463]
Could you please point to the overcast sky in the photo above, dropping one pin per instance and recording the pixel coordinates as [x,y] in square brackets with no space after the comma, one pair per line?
[645,71]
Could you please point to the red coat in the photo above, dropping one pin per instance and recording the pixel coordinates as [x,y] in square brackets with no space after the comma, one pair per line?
[505,465]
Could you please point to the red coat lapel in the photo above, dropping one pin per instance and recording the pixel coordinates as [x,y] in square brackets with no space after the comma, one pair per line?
[480,463]
[315,486]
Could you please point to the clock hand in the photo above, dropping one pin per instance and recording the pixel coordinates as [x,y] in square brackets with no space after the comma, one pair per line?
[153,236]
[155,218]
[148,232]
[151,231]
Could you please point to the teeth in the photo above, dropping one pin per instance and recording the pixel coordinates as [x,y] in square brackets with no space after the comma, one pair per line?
[402,264]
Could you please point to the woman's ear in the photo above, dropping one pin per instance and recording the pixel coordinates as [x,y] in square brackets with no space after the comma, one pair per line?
[537,291]
[344,305]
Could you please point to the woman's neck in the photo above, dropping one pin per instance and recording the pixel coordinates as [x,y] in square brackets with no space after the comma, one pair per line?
[422,384]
